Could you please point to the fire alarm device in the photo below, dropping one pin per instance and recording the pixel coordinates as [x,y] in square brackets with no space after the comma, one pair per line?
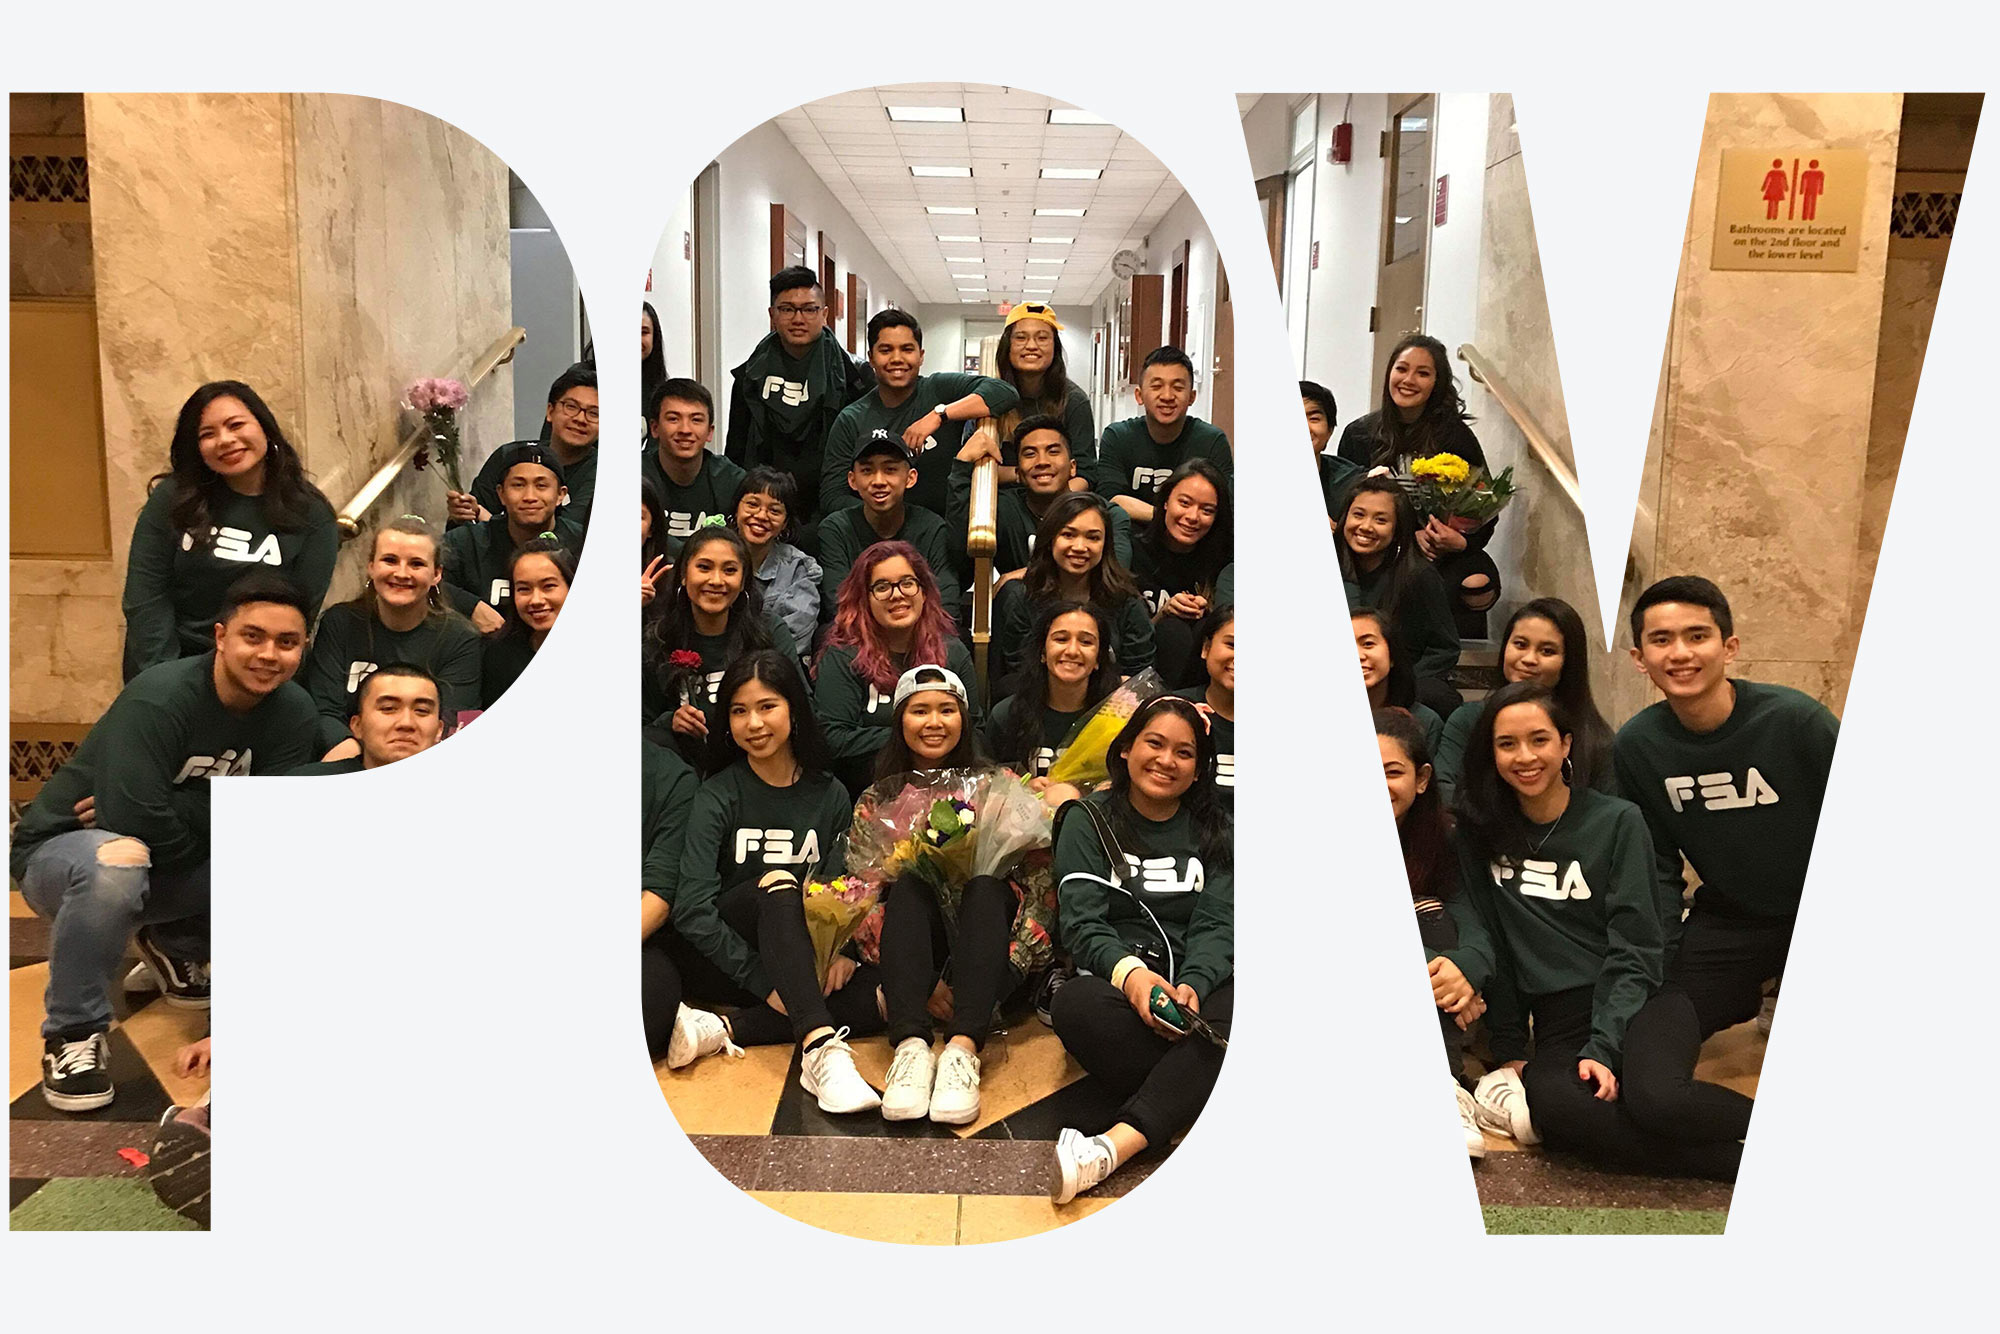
[1343,143]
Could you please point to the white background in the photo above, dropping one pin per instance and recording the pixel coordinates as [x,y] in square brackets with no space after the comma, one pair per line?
[438,1110]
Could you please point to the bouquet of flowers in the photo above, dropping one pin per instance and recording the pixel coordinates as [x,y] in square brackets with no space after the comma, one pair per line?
[834,909]
[1084,760]
[438,402]
[1447,488]
[946,826]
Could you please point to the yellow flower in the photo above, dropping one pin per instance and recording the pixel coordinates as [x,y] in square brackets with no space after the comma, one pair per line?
[1448,470]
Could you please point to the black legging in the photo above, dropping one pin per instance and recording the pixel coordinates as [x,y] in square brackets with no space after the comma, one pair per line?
[1177,653]
[1663,1121]
[915,944]
[1459,566]
[774,924]
[660,991]
[1723,963]
[1165,1084]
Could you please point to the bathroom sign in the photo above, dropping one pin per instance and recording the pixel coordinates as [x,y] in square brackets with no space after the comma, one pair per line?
[1790,210]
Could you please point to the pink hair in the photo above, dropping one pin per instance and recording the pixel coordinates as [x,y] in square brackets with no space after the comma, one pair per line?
[854,624]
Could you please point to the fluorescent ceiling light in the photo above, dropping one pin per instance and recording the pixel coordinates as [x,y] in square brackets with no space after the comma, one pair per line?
[1057,260]
[1071,173]
[1052,240]
[972,301]
[968,240]
[970,278]
[1058,212]
[935,208]
[962,259]
[953,114]
[980,290]
[939,171]
[1073,116]
[1038,291]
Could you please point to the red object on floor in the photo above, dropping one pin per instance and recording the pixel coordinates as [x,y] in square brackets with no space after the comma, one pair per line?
[136,1157]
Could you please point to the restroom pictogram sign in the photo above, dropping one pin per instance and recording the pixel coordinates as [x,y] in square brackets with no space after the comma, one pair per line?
[1792,209]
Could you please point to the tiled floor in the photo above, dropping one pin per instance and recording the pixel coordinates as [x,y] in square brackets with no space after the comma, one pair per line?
[910,1181]
[61,1163]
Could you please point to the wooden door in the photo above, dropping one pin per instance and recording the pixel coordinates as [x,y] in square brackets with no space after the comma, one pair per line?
[1222,375]
[1177,314]
[1406,224]
[857,311]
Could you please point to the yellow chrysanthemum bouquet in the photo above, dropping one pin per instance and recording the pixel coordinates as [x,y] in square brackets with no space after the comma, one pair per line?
[1447,488]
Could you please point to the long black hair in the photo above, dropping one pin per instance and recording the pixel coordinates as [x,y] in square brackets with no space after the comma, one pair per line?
[1488,810]
[1425,829]
[1403,564]
[781,672]
[291,502]
[1054,398]
[655,546]
[1111,584]
[560,556]
[896,757]
[1214,831]
[671,626]
[1023,736]
[1401,684]
[1436,429]
[653,367]
[1216,549]
[1590,753]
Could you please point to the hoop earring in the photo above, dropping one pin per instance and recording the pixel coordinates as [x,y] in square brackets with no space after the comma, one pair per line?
[1568,772]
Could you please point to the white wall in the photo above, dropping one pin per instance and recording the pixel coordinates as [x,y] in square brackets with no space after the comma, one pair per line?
[945,326]
[1451,290]
[756,171]
[1266,130]
[1347,223]
[673,290]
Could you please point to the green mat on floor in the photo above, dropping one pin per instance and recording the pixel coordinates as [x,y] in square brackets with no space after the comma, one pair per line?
[1511,1220]
[96,1204]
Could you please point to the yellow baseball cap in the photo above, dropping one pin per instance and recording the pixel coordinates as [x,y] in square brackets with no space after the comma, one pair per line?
[1032,310]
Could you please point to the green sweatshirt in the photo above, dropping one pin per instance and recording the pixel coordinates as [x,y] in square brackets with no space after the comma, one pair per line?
[1162,572]
[1015,525]
[350,642]
[1741,803]
[1014,619]
[142,760]
[502,660]
[655,700]
[861,418]
[856,713]
[321,768]
[1424,629]
[174,586]
[1000,726]
[1225,746]
[1193,905]
[1580,911]
[579,479]
[738,828]
[712,492]
[845,534]
[667,788]
[1131,463]
[478,561]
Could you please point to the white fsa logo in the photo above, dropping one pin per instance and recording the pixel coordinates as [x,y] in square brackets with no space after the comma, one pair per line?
[1148,479]
[1718,791]
[876,699]
[1225,771]
[228,764]
[680,523]
[1157,875]
[234,544]
[776,845]
[1539,879]
[355,671]
[789,393]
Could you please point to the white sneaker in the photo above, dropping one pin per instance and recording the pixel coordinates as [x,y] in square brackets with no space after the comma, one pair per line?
[1082,1161]
[1764,1013]
[1500,1104]
[908,1093]
[955,1099]
[1468,1120]
[828,1073]
[697,1033]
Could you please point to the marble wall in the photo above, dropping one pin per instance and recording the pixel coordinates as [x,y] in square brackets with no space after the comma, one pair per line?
[1760,473]
[326,250]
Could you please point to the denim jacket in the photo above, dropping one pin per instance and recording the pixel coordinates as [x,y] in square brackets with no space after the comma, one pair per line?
[790,582]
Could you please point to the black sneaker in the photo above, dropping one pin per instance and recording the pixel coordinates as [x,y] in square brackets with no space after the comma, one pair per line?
[179,1169]
[1045,994]
[76,1076]
[181,982]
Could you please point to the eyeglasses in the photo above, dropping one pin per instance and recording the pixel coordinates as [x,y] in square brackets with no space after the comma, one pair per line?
[908,586]
[576,409]
[789,312]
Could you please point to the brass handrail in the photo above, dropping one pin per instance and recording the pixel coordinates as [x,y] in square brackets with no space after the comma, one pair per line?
[982,536]
[1538,439]
[348,520]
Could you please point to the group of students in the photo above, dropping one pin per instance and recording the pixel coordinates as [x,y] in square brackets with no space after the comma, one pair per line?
[1546,854]
[805,598]
[232,667]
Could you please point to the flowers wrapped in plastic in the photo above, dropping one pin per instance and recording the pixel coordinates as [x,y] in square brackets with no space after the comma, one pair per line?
[834,910]
[948,826]
[1447,488]
[1084,759]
